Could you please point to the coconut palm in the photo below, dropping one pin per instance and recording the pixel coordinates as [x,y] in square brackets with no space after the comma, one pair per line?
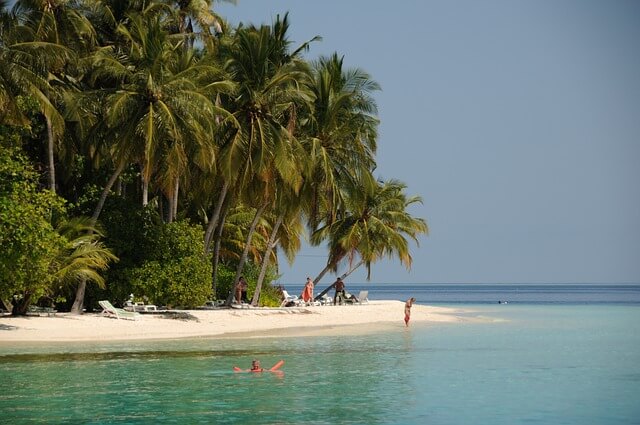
[375,224]
[163,103]
[80,257]
[161,110]
[271,89]
[341,134]
[55,22]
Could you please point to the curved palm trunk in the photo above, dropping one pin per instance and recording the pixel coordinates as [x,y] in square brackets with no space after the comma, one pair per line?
[52,167]
[247,246]
[352,269]
[78,303]
[322,273]
[344,276]
[213,221]
[265,259]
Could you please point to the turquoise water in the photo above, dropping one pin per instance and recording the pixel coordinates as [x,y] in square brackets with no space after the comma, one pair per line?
[575,364]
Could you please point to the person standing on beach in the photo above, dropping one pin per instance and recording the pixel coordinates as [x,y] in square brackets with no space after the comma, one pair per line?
[407,310]
[339,284]
[241,290]
[307,292]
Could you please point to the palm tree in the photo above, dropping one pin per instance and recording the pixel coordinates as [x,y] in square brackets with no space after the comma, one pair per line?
[59,23]
[163,102]
[375,224]
[80,257]
[271,89]
[341,134]
[161,108]
[84,254]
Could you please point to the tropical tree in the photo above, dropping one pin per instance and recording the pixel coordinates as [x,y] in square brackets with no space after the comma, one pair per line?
[271,88]
[36,258]
[56,27]
[161,108]
[375,224]
[285,230]
[340,135]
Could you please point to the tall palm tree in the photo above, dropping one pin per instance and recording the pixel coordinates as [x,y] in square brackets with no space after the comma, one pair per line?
[271,88]
[375,224]
[341,134]
[55,22]
[160,108]
[163,102]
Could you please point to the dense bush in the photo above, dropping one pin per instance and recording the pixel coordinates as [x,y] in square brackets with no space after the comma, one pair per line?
[176,273]
[28,242]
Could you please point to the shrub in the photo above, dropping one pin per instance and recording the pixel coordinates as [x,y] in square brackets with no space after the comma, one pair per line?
[177,273]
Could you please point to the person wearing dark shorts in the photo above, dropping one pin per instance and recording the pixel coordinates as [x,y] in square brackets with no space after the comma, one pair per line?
[339,284]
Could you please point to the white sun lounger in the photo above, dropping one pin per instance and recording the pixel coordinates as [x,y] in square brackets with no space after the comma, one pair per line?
[110,311]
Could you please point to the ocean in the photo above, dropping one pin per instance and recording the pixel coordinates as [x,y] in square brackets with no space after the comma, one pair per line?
[553,354]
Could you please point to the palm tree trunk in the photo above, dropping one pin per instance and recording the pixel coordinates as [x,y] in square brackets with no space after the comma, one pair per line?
[50,145]
[169,208]
[265,259]
[322,273]
[78,303]
[216,253]
[247,246]
[213,221]
[326,269]
[176,189]
[145,192]
[105,193]
[352,269]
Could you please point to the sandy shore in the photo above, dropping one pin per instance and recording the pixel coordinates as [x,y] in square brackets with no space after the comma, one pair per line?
[254,322]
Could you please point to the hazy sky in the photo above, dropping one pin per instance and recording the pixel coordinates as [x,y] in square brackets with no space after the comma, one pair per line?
[517,122]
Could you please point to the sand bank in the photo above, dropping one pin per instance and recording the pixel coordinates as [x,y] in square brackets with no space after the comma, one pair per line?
[224,322]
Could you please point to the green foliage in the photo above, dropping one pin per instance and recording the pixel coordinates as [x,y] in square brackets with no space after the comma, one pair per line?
[269,296]
[177,273]
[183,282]
[28,242]
[226,275]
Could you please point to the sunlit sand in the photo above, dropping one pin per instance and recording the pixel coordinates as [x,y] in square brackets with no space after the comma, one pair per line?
[253,322]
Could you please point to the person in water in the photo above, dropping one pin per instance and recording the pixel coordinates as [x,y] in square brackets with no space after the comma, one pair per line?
[339,284]
[255,366]
[407,310]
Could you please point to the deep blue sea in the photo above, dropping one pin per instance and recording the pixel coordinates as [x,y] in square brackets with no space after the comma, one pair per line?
[554,354]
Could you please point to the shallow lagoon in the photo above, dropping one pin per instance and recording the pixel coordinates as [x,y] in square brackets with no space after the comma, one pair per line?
[570,364]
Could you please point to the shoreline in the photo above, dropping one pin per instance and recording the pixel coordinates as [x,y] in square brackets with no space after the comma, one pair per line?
[224,323]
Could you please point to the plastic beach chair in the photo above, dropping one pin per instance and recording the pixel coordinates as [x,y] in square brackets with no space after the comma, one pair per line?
[289,298]
[109,310]
[363,297]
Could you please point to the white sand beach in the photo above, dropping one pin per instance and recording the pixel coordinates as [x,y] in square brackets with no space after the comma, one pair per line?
[249,322]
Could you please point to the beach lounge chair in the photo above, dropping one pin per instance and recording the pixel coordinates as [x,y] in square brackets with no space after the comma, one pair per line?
[326,300]
[289,298]
[109,310]
[363,297]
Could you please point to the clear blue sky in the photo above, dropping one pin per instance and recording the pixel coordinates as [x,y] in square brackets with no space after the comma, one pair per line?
[517,122]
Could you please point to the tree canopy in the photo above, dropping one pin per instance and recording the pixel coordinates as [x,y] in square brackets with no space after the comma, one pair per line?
[198,151]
